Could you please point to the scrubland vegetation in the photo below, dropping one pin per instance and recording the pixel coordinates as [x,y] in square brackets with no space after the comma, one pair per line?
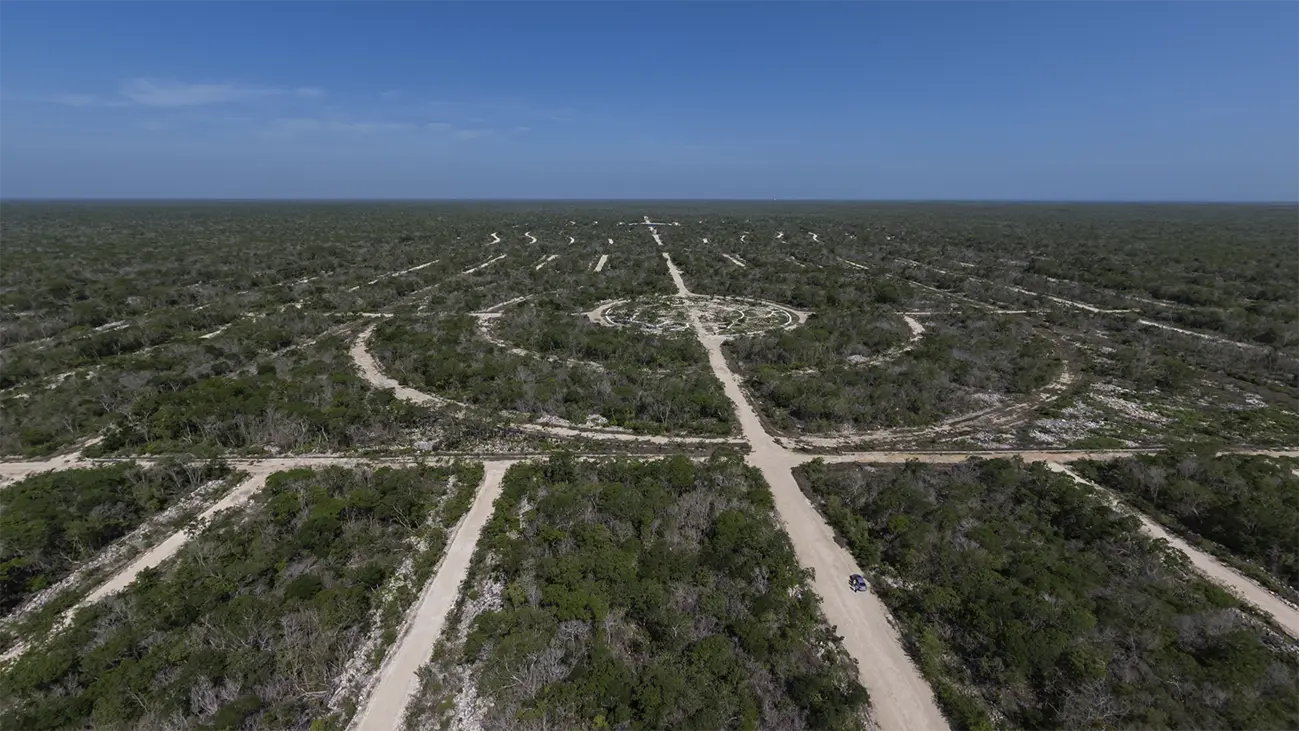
[1028,603]
[634,594]
[1245,506]
[51,522]
[264,620]
[163,323]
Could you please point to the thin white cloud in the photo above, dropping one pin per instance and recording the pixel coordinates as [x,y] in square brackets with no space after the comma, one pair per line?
[472,134]
[75,100]
[159,93]
[309,125]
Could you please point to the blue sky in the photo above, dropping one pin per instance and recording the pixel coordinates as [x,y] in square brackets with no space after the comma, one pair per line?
[1056,101]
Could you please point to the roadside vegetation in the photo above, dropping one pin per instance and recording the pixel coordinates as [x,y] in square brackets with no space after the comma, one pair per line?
[446,356]
[822,378]
[270,618]
[1244,506]
[638,594]
[54,521]
[1028,603]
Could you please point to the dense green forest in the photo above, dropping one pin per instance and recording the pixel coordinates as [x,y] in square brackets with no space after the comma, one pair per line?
[640,594]
[254,623]
[51,522]
[1245,504]
[1028,603]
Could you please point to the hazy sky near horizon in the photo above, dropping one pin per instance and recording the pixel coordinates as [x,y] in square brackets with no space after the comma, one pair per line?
[925,100]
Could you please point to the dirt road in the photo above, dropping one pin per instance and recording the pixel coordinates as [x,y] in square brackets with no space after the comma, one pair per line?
[601,264]
[397,679]
[1213,569]
[155,555]
[900,698]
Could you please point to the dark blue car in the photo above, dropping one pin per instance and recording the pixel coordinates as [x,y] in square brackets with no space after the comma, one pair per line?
[857,583]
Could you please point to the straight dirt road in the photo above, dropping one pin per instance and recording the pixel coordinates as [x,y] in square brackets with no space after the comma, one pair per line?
[901,700]
[397,678]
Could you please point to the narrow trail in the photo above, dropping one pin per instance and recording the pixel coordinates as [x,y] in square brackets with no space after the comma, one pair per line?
[916,331]
[381,278]
[797,263]
[653,231]
[744,236]
[153,557]
[493,260]
[370,371]
[814,238]
[735,260]
[1215,338]
[398,678]
[1212,568]
[531,238]
[601,264]
[780,235]
[900,698]
[214,333]
[1067,302]
[546,260]
[1059,300]
[495,239]
[572,240]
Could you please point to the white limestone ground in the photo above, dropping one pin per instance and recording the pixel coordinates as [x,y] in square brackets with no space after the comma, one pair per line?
[1001,413]
[1215,570]
[398,678]
[780,235]
[546,260]
[214,333]
[110,327]
[611,241]
[601,263]
[734,260]
[489,262]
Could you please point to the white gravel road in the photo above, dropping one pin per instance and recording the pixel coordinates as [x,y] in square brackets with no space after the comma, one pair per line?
[398,680]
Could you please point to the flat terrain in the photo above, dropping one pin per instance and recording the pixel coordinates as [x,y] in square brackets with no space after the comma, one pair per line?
[695,422]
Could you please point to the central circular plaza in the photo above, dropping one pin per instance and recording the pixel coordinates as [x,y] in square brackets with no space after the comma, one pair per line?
[719,316]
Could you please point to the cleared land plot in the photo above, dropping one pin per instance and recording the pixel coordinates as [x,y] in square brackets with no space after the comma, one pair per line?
[647,594]
[1031,604]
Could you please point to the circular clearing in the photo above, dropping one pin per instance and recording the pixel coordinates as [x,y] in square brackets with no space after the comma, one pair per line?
[720,316]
